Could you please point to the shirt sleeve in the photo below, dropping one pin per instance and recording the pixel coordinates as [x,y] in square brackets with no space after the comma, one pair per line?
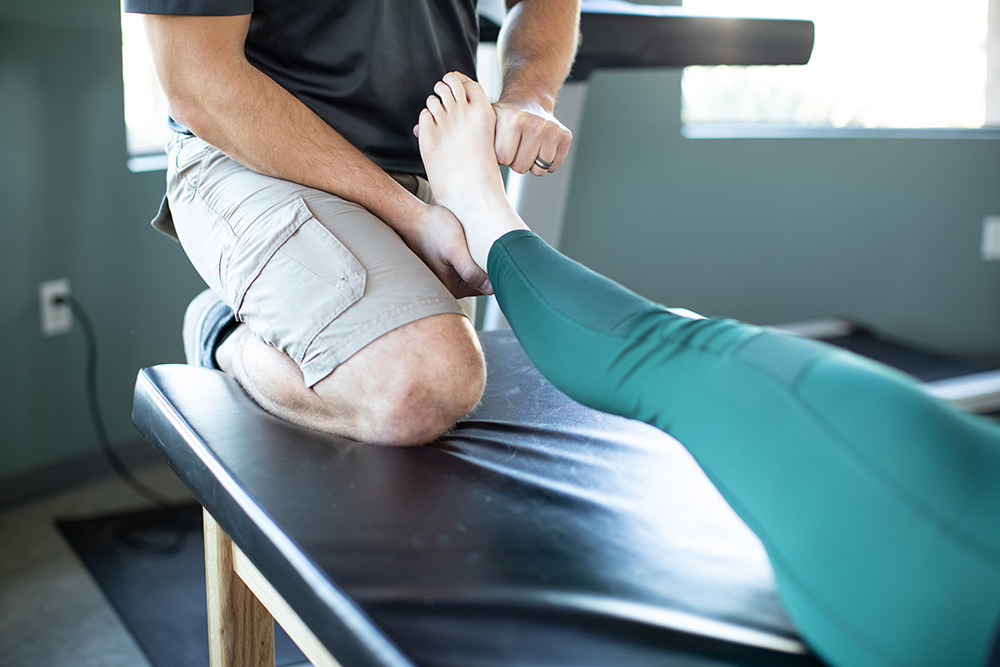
[190,7]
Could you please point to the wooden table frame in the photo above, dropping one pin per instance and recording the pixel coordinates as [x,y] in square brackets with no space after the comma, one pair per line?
[243,606]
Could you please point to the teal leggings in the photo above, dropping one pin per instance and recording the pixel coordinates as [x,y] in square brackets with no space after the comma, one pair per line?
[879,506]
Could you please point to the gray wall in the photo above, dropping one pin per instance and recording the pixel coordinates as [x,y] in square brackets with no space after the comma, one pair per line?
[884,230]
[70,208]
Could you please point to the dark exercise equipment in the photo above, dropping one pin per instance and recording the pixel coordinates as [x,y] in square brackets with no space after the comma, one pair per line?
[617,34]
[624,35]
[539,532]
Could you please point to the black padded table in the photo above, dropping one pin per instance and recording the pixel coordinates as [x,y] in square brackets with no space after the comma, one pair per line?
[538,532]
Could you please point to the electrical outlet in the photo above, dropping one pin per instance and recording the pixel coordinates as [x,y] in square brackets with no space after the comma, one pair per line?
[991,238]
[53,300]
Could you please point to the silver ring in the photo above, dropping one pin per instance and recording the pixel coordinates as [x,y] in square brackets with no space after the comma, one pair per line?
[543,164]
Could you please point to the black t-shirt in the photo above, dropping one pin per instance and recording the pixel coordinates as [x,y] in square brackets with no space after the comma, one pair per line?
[364,66]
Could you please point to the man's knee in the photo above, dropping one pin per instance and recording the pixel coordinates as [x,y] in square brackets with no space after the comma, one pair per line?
[424,395]
[420,406]
[413,384]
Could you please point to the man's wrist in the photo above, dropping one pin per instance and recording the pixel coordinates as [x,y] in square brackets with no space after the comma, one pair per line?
[524,96]
[392,203]
[407,215]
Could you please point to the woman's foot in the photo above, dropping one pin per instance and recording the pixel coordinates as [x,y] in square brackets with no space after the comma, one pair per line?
[456,143]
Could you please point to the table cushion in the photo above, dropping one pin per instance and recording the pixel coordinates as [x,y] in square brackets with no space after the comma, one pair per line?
[538,532]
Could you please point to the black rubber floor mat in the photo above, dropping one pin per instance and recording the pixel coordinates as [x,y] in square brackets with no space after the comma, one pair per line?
[151,566]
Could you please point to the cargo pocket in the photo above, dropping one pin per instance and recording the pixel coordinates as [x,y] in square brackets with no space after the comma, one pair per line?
[290,277]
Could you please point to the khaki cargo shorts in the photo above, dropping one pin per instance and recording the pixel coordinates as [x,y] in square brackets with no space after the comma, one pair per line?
[311,274]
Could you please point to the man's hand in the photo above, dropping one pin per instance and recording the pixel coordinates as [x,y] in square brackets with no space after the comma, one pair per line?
[537,44]
[525,131]
[439,241]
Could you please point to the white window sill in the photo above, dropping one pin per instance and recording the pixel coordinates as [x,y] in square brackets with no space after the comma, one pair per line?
[778,131]
[141,163]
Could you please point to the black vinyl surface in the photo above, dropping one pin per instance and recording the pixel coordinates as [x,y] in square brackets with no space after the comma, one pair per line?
[539,532]
[151,566]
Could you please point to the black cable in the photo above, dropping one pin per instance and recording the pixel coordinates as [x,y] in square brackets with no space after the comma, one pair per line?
[128,532]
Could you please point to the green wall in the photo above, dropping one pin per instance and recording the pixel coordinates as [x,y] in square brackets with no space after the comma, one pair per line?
[766,230]
[70,208]
[883,230]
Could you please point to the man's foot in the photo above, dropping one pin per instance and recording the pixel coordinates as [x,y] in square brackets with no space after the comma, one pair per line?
[207,323]
[456,133]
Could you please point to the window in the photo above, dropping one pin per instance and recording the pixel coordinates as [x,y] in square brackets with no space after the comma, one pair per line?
[145,106]
[911,64]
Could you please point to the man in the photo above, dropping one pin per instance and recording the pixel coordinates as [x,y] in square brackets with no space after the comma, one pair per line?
[295,187]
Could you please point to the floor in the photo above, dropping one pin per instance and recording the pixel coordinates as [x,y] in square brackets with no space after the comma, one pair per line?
[52,614]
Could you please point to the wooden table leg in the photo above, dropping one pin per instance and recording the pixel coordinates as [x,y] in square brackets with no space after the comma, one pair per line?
[240,629]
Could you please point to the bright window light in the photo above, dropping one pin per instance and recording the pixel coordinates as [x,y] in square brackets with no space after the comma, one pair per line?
[145,105]
[876,64]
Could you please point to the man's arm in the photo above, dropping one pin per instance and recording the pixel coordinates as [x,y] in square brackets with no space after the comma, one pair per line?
[537,46]
[214,91]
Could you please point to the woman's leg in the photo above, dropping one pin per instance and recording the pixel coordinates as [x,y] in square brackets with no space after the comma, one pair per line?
[878,505]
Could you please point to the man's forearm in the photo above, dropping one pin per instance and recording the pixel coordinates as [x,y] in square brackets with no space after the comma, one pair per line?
[258,123]
[537,46]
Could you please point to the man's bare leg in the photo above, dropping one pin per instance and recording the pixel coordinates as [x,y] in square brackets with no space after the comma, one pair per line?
[456,133]
[413,383]
[405,388]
